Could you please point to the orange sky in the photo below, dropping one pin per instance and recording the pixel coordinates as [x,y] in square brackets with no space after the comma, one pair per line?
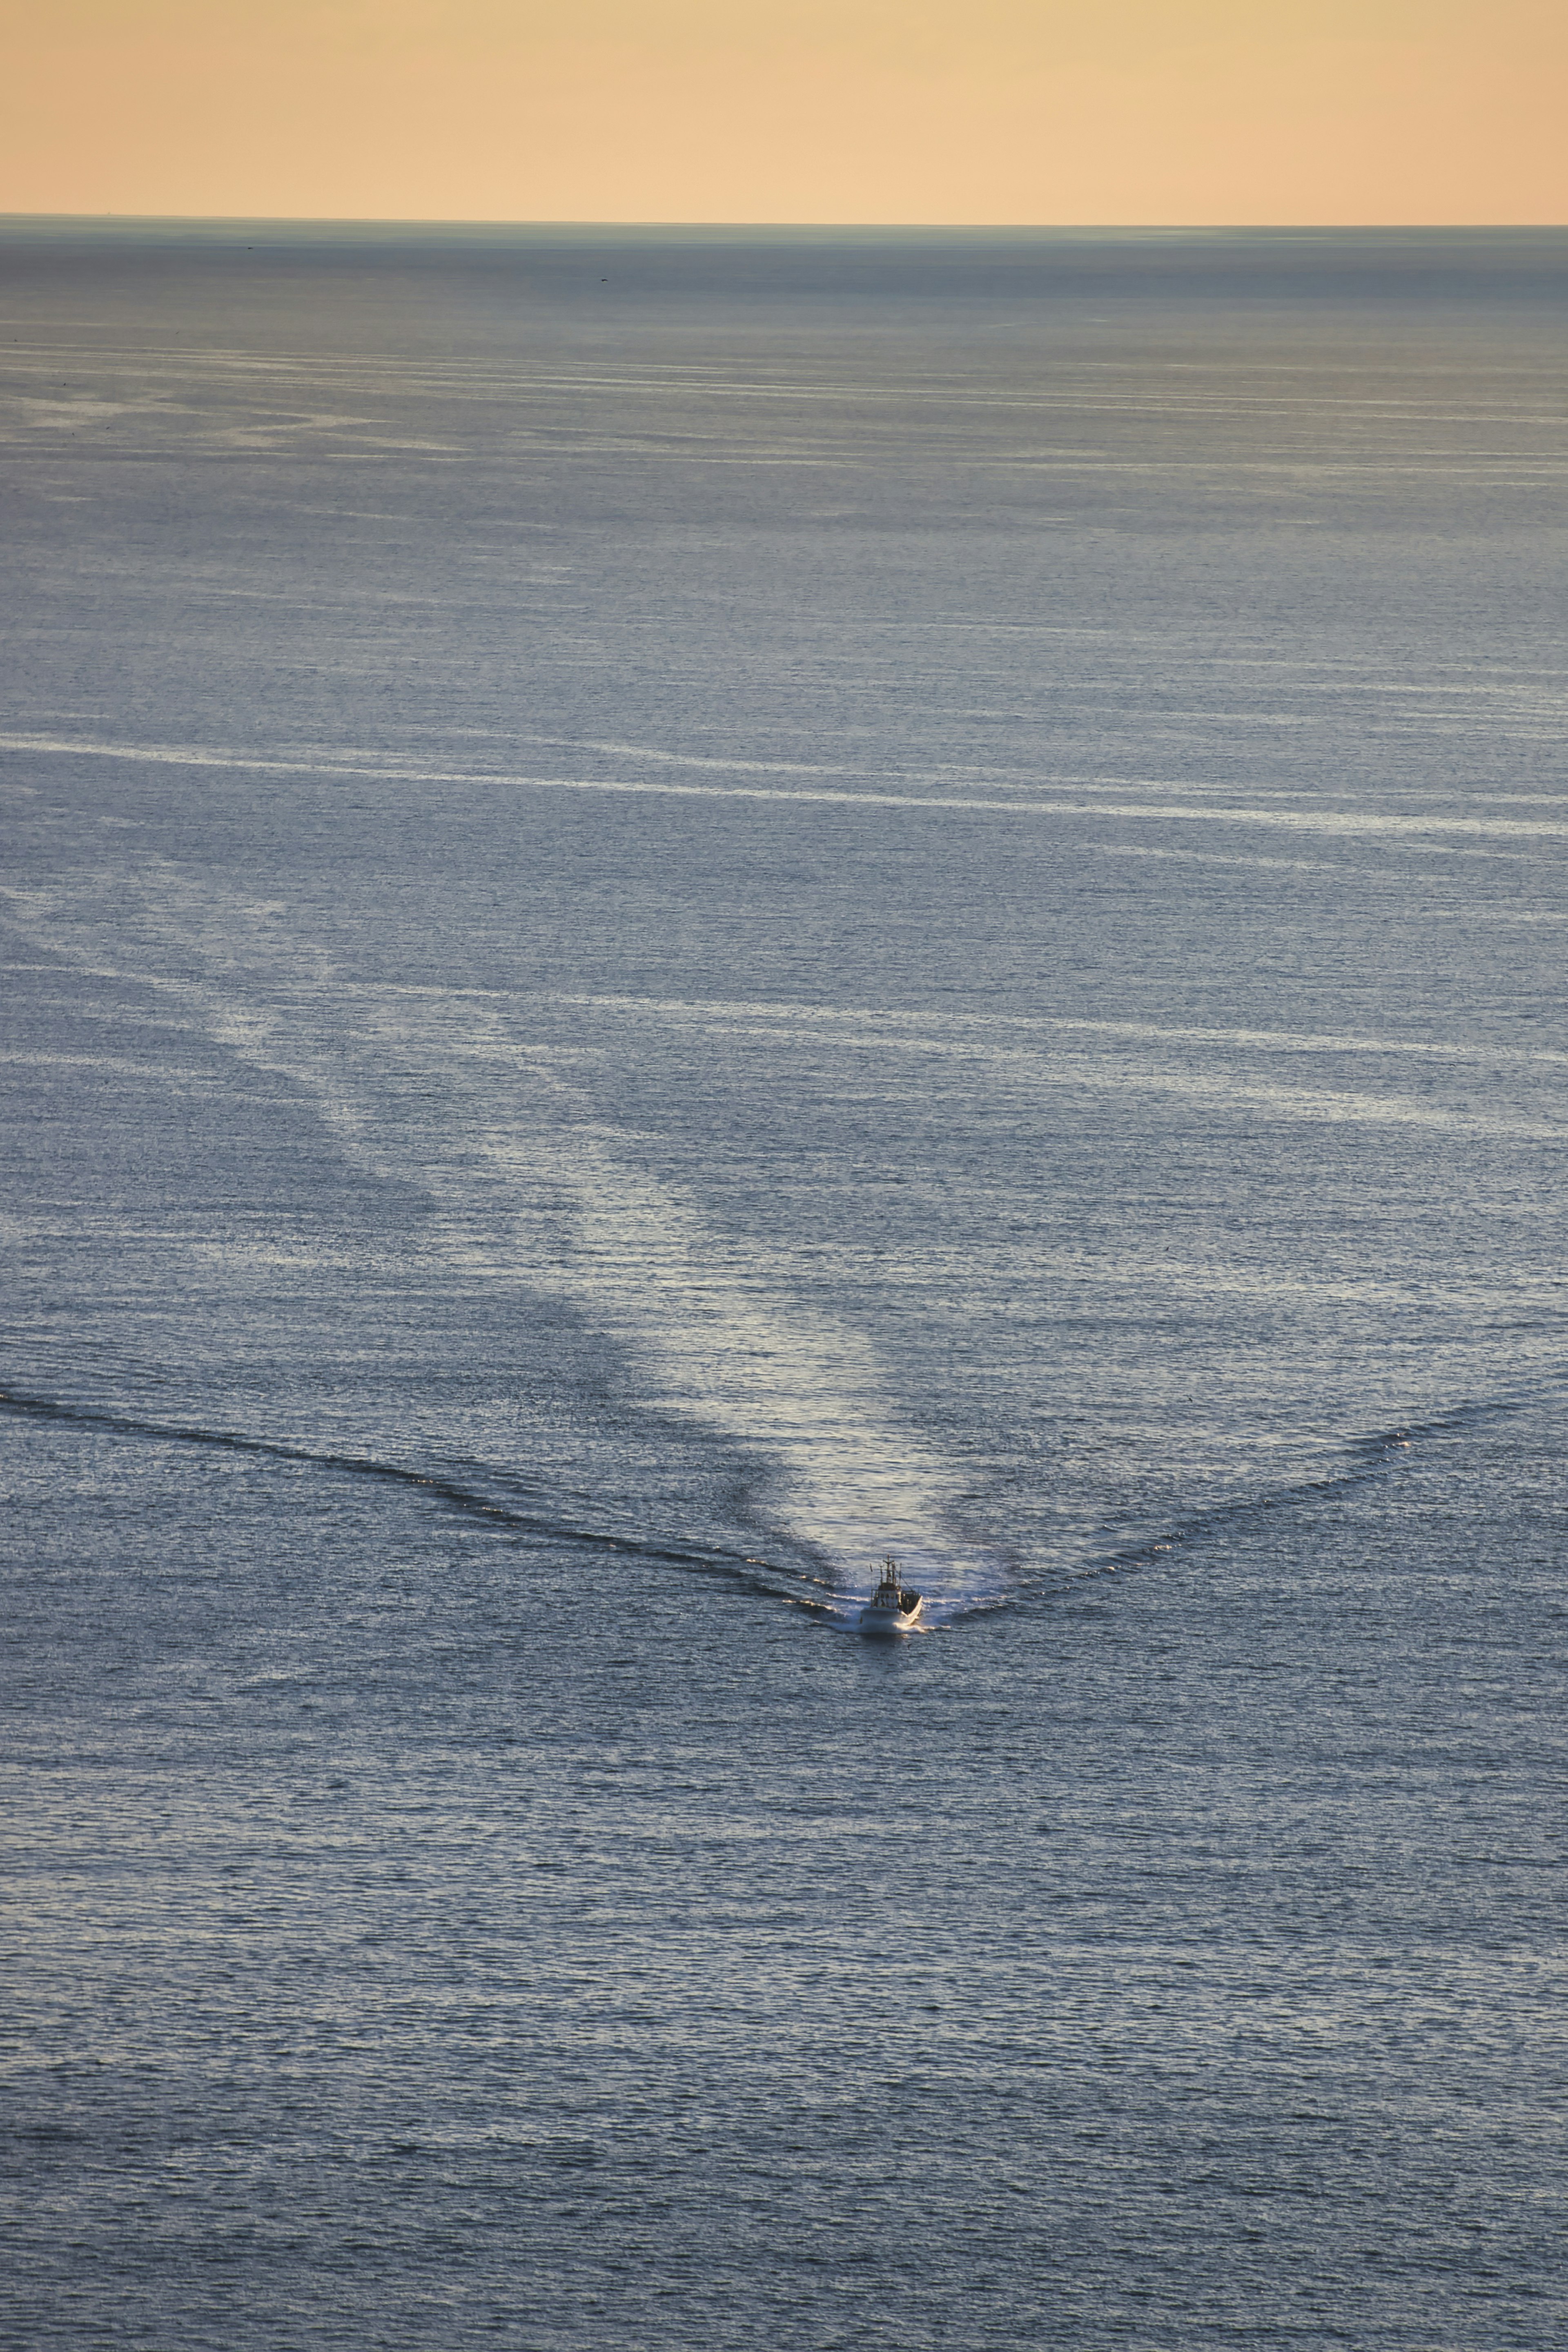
[1061,111]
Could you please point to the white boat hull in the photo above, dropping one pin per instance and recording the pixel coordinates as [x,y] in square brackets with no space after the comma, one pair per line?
[875,1620]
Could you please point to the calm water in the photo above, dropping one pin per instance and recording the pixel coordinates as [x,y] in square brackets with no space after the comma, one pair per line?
[677,912]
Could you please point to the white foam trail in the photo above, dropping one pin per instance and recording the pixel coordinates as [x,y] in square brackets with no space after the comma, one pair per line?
[925,1023]
[1350,823]
[532,1191]
[726,1347]
[973,1038]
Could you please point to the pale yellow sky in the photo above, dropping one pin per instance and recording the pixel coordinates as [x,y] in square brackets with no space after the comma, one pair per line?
[1051,112]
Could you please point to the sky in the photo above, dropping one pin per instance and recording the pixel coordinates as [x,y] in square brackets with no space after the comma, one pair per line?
[1055,112]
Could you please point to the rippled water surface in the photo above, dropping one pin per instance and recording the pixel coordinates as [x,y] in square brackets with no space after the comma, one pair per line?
[678,912]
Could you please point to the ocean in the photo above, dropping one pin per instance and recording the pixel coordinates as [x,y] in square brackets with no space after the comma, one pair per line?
[682,908]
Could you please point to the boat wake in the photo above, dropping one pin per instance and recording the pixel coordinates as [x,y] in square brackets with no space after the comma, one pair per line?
[758,1575]
[1370,1457]
[460,1093]
[468,1096]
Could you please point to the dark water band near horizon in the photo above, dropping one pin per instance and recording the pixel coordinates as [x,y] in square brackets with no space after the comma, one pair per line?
[681,909]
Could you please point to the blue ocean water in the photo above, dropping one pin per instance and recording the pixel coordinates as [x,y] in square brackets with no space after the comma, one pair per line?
[679,910]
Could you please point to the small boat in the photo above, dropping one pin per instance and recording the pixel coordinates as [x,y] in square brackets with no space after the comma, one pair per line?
[891,1608]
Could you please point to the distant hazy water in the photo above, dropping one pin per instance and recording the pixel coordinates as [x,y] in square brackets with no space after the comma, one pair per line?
[677,911]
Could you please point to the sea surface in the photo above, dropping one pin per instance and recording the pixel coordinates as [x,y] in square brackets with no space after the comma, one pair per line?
[679,910]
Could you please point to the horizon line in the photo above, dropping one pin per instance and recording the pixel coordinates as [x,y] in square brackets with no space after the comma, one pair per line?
[734,227]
